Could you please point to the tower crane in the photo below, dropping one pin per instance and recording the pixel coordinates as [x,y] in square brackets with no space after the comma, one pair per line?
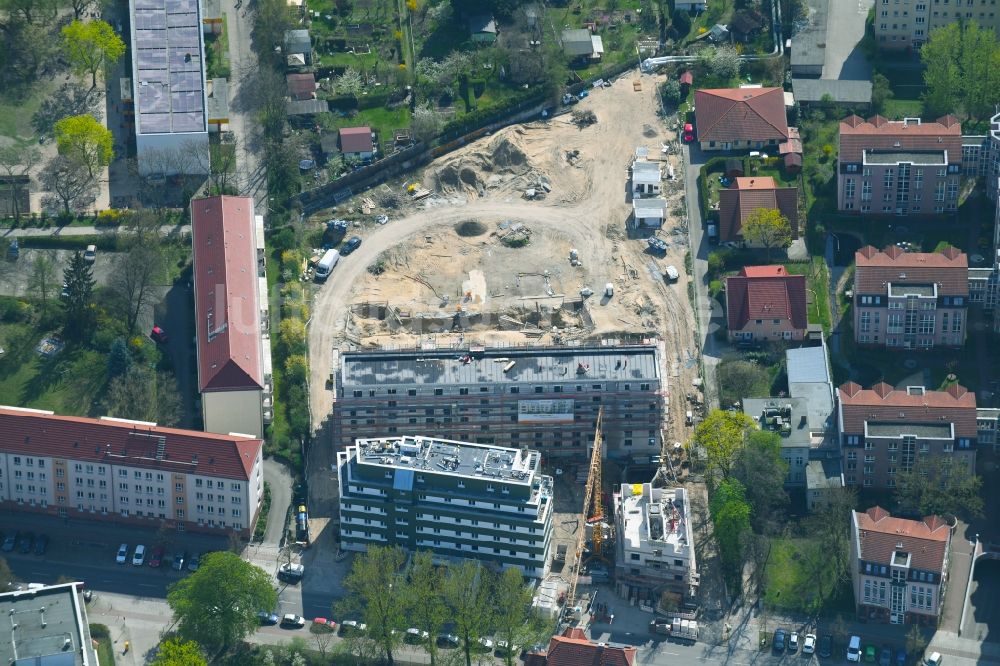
[593,511]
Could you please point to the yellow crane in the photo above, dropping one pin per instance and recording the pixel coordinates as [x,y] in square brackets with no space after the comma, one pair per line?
[593,511]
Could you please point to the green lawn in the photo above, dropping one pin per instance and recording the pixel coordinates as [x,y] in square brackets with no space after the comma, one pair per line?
[818,283]
[15,115]
[795,579]
[217,47]
[69,383]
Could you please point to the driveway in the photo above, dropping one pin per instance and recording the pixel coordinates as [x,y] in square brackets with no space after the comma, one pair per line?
[845,28]
[174,313]
[982,618]
[280,481]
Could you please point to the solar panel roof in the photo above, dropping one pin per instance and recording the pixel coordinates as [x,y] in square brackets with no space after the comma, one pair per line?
[169,66]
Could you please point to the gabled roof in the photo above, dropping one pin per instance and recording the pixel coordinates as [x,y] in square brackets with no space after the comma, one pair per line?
[880,535]
[577,42]
[301,86]
[741,114]
[766,292]
[227,314]
[875,269]
[883,403]
[858,135]
[574,649]
[687,78]
[41,433]
[643,208]
[745,195]
[356,140]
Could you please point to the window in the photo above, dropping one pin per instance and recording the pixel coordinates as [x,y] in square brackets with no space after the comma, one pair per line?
[849,188]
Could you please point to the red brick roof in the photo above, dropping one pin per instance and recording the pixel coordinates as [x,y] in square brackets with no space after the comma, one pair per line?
[741,114]
[766,292]
[880,535]
[883,403]
[356,140]
[878,133]
[745,195]
[227,314]
[39,433]
[574,649]
[301,86]
[876,268]
[687,78]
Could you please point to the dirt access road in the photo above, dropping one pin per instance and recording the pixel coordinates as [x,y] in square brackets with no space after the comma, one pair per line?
[588,206]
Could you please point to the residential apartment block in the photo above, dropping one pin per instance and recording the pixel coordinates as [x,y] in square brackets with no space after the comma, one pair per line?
[899,167]
[910,300]
[655,542]
[766,304]
[457,499]
[231,315]
[544,398]
[907,24]
[884,430]
[116,470]
[899,567]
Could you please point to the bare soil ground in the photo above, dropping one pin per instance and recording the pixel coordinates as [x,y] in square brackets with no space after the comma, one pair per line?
[432,272]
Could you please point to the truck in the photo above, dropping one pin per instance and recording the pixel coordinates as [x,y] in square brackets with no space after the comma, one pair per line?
[326,264]
[561,552]
[675,629]
[302,525]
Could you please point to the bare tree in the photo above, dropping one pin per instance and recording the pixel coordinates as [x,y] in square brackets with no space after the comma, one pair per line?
[17,163]
[42,279]
[135,275]
[68,185]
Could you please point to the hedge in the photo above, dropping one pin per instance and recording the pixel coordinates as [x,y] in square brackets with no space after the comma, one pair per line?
[103,242]
[369,101]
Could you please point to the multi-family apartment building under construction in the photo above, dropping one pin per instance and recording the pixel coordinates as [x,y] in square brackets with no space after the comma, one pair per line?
[456,499]
[545,398]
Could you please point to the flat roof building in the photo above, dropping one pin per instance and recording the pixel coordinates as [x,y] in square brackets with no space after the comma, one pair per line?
[545,398]
[655,542]
[457,499]
[168,75]
[46,626]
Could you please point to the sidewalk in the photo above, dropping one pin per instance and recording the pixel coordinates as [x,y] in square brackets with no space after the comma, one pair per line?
[25,232]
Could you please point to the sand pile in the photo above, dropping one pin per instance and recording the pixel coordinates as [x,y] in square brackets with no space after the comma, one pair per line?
[471,171]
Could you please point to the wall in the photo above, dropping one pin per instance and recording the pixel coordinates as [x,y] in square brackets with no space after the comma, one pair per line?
[233,411]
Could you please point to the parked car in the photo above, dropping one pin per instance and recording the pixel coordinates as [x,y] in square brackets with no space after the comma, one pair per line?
[934,659]
[901,657]
[447,641]
[825,647]
[13,250]
[158,335]
[122,556]
[809,644]
[353,243]
[193,562]
[9,543]
[267,618]
[352,627]
[780,637]
[156,557]
[139,556]
[793,642]
[885,656]
[179,560]
[41,543]
[25,542]
[688,134]
[484,645]
[854,649]
[292,621]
[503,649]
[414,635]
[291,572]
[870,652]
[90,254]
[326,623]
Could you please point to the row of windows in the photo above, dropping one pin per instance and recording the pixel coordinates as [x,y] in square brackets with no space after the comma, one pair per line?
[485,389]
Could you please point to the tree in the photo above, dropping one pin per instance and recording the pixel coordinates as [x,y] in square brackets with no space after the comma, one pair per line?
[941,486]
[739,378]
[6,576]
[768,228]
[119,358]
[722,435]
[68,183]
[881,91]
[512,615]
[425,604]
[425,124]
[349,83]
[134,277]
[961,70]
[78,304]
[723,61]
[670,91]
[71,99]
[91,46]
[16,163]
[762,471]
[42,279]
[378,590]
[916,641]
[85,141]
[731,518]
[467,593]
[80,7]
[680,23]
[144,394]
[176,652]
[217,605]
[830,523]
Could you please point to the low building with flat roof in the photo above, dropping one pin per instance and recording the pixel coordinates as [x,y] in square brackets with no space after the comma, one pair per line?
[46,626]
[655,542]
[457,499]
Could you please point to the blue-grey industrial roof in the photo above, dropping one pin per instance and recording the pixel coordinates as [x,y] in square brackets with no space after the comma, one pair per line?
[799,435]
[38,623]
[169,67]
[501,366]
[824,473]
[807,364]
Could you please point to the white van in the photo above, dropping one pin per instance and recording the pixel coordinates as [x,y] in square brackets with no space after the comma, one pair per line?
[854,649]
[326,264]
[934,659]
[139,556]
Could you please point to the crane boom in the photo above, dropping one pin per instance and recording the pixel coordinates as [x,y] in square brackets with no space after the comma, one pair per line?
[591,497]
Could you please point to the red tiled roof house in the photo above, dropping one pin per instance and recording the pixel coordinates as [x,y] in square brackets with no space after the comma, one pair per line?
[573,648]
[357,142]
[910,300]
[301,86]
[230,296]
[740,118]
[899,167]
[884,430]
[745,195]
[899,567]
[765,304]
[76,467]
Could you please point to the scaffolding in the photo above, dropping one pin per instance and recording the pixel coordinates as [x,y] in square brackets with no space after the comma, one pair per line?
[593,511]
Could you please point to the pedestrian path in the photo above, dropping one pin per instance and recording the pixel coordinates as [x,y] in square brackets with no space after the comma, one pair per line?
[26,232]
